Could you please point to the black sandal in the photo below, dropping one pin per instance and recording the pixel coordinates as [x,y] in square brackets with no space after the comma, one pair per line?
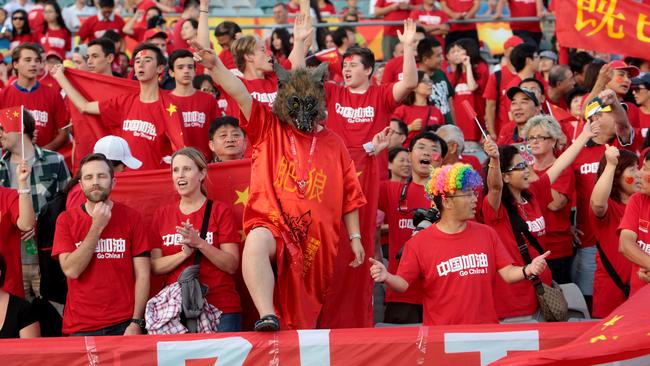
[268,323]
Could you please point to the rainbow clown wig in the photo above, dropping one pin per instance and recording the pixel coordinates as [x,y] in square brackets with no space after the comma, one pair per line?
[448,179]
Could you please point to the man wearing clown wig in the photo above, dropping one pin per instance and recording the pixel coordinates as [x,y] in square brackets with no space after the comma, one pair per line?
[456,258]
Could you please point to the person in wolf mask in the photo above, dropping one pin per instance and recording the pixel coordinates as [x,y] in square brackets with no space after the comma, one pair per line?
[303,183]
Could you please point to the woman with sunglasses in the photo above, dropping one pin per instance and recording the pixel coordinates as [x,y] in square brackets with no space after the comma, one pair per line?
[544,136]
[512,193]
[56,36]
[618,180]
[20,32]
[417,110]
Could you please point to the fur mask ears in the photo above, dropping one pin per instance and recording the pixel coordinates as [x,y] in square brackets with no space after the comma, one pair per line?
[282,73]
[317,75]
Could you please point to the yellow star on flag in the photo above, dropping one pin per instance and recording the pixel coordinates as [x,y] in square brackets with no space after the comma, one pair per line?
[359,173]
[16,114]
[242,196]
[171,109]
[598,338]
[611,321]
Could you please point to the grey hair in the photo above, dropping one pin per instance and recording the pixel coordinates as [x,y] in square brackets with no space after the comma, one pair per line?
[557,74]
[453,134]
[549,124]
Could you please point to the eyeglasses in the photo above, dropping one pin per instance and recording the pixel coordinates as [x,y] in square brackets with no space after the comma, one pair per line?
[468,194]
[396,132]
[637,88]
[518,167]
[538,138]
[18,18]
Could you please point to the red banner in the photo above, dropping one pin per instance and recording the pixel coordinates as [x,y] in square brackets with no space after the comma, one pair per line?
[609,26]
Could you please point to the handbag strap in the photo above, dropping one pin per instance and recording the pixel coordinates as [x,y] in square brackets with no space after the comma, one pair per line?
[519,230]
[204,228]
[625,287]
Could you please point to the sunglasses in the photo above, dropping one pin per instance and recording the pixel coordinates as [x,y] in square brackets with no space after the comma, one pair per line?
[18,18]
[636,88]
[518,167]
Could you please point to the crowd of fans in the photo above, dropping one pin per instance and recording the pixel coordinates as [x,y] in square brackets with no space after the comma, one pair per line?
[560,148]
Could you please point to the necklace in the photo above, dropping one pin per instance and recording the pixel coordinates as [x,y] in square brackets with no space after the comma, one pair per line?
[522,209]
[302,175]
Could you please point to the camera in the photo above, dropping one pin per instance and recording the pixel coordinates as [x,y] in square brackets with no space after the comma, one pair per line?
[422,219]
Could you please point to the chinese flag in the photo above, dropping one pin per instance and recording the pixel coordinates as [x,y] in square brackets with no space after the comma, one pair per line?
[11,119]
[558,113]
[330,55]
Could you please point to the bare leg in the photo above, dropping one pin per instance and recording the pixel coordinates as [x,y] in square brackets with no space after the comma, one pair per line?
[259,250]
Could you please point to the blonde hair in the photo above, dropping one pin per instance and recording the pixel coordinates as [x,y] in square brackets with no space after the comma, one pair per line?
[240,48]
[197,157]
[549,124]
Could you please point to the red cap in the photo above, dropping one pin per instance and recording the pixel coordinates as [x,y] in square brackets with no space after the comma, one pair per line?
[54,53]
[513,41]
[154,32]
[621,65]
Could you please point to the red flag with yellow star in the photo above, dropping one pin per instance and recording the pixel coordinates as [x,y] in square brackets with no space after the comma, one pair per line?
[11,119]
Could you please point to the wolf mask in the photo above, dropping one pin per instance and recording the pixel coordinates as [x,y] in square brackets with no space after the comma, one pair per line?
[301,96]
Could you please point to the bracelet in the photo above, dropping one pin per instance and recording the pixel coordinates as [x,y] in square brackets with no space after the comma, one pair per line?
[24,191]
[355,236]
[203,11]
[492,166]
[523,270]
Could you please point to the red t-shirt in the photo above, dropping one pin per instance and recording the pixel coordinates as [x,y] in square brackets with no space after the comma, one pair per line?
[10,243]
[523,8]
[221,229]
[57,40]
[36,18]
[460,6]
[46,106]
[227,59]
[177,40]
[327,10]
[263,90]
[632,113]
[198,111]
[93,28]
[518,299]
[584,168]
[462,93]
[558,223]
[514,81]
[431,17]
[400,229]
[103,294]
[607,296]
[332,190]
[409,113]
[458,277]
[23,38]
[393,70]
[490,93]
[149,128]
[637,220]
[399,14]
[644,122]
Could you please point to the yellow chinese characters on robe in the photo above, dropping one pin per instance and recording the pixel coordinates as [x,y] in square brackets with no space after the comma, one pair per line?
[287,178]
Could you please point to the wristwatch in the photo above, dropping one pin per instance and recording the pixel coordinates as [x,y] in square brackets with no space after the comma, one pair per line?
[139,322]
[529,278]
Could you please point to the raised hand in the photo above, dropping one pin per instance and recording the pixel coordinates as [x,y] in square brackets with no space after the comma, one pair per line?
[408,36]
[207,57]
[590,130]
[378,271]
[23,171]
[302,28]
[190,235]
[57,71]
[612,154]
[604,75]
[538,265]
[608,96]
[491,148]
[381,140]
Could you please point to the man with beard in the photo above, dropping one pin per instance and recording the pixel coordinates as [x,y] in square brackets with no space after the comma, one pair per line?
[103,249]
[305,184]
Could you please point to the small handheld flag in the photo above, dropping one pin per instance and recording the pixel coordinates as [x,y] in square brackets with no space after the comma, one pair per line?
[472,114]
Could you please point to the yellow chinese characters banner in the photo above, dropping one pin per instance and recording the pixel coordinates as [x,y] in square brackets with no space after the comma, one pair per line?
[610,26]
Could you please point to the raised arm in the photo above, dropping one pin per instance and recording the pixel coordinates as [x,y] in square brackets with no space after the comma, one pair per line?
[203,31]
[128,26]
[603,187]
[26,217]
[231,84]
[494,180]
[570,154]
[410,71]
[302,31]
[83,105]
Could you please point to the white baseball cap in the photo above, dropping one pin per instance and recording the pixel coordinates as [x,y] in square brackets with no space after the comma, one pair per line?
[116,148]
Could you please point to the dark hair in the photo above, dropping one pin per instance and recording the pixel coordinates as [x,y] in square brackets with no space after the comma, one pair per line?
[179,53]
[626,159]
[410,98]
[285,39]
[193,22]
[156,20]
[591,73]
[534,80]
[16,52]
[394,151]
[339,34]
[401,125]
[160,58]
[223,121]
[112,36]
[96,157]
[472,50]
[578,60]
[426,46]
[190,4]
[366,55]
[519,55]
[428,135]
[29,124]
[59,16]
[506,154]
[577,91]
[200,79]
[282,5]
[107,46]
[227,28]
[3,270]
[557,74]
[25,29]
[106,3]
